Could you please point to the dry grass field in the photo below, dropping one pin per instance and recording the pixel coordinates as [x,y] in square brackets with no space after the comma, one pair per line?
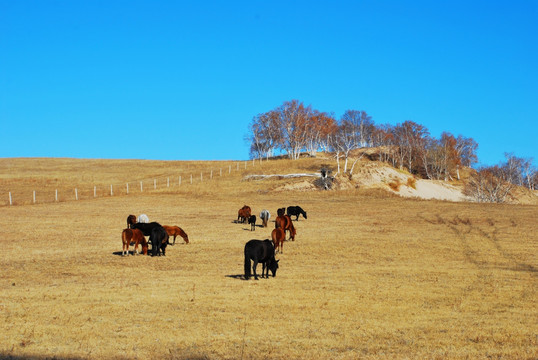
[370,275]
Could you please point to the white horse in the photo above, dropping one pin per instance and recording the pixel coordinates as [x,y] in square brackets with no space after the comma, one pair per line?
[265,216]
[143,218]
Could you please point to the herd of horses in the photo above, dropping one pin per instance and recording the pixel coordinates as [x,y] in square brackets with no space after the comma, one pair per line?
[257,251]
[264,250]
[159,235]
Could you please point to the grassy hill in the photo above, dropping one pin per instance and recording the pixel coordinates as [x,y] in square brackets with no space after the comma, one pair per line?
[371,275]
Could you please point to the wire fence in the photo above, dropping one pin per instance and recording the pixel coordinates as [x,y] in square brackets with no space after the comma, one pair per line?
[157,183]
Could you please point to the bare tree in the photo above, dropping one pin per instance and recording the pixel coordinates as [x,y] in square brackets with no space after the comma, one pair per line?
[361,125]
[409,138]
[293,117]
[489,184]
[265,135]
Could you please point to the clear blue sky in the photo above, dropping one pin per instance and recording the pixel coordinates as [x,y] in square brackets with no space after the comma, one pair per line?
[182,79]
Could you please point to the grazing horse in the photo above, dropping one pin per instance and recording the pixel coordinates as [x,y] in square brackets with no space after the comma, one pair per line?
[260,251]
[131,219]
[135,235]
[284,222]
[278,236]
[146,227]
[296,211]
[143,218]
[265,216]
[290,227]
[175,231]
[243,214]
[159,240]
[280,211]
[252,222]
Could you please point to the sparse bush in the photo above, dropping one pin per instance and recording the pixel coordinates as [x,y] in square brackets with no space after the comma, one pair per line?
[395,185]
[412,182]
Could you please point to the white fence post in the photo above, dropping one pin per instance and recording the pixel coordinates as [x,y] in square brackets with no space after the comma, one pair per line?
[10,200]
[56,195]
[111,192]
[141,187]
[95,191]
[167,182]
[127,188]
[76,194]
[34,196]
[154,184]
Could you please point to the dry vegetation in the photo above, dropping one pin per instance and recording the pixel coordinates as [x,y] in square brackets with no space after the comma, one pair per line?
[370,276]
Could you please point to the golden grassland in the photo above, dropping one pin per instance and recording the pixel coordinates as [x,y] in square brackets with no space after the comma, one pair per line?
[370,275]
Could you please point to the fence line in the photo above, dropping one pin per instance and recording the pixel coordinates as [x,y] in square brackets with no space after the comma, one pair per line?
[12,200]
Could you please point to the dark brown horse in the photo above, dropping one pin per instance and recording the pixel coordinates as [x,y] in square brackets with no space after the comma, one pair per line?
[175,231]
[131,219]
[243,214]
[278,235]
[130,235]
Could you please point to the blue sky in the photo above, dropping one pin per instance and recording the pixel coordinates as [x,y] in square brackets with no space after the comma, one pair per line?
[175,80]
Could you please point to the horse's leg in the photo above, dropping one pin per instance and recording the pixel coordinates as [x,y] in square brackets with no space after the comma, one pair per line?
[174,239]
[255,263]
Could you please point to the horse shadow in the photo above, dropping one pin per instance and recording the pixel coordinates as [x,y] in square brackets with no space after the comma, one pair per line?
[237,277]
[256,226]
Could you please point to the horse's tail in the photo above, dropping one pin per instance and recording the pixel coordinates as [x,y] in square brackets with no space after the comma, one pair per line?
[247,265]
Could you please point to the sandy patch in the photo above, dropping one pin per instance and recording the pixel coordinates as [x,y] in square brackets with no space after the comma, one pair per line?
[433,189]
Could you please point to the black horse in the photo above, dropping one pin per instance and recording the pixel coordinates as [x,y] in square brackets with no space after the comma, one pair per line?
[157,234]
[260,251]
[252,222]
[145,227]
[296,211]
[159,240]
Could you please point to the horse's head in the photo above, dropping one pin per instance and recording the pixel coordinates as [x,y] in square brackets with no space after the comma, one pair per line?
[273,266]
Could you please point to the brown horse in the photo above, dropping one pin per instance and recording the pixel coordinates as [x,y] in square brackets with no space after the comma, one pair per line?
[285,223]
[131,219]
[129,235]
[278,235]
[175,231]
[243,214]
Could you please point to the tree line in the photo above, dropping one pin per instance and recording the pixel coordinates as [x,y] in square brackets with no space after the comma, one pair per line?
[293,128]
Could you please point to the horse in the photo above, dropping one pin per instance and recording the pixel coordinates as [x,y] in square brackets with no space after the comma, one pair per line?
[296,211]
[278,236]
[260,251]
[265,216]
[131,219]
[243,214]
[252,222]
[135,235]
[159,240]
[280,211]
[284,222]
[146,227]
[290,227]
[175,231]
[143,218]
